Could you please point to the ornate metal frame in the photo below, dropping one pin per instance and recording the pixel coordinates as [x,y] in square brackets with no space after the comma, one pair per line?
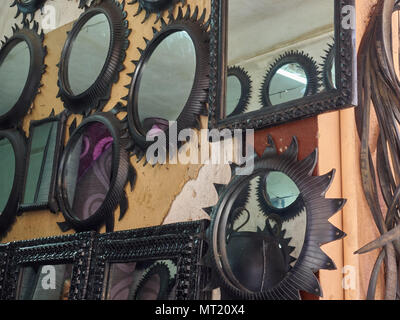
[122,172]
[196,103]
[246,85]
[156,7]
[182,241]
[4,258]
[51,204]
[309,66]
[75,249]
[38,52]
[8,216]
[344,96]
[319,230]
[99,93]
[27,8]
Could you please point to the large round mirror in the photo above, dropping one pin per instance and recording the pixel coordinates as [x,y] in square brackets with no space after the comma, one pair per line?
[14,71]
[89,52]
[273,244]
[162,98]
[93,56]
[292,76]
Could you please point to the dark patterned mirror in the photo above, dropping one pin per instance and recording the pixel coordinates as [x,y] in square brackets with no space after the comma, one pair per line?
[282,44]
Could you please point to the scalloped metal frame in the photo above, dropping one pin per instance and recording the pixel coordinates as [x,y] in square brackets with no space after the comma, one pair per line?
[38,52]
[195,106]
[122,173]
[52,203]
[319,230]
[96,96]
[155,7]
[29,8]
[246,86]
[309,66]
[344,96]
[8,216]
[183,242]
[73,249]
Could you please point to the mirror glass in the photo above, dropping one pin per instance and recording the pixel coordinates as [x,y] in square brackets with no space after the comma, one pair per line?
[233,95]
[14,71]
[7,171]
[288,83]
[166,82]
[40,163]
[144,280]
[261,246]
[281,191]
[45,282]
[89,53]
[87,171]
[260,32]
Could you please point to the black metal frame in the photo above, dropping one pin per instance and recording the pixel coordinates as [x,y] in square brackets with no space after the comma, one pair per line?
[196,103]
[344,96]
[246,86]
[309,66]
[51,203]
[4,258]
[8,216]
[27,8]
[38,52]
[98,94]
[73,249]
[122,172]
[182,241]
[319,230]
[156,7]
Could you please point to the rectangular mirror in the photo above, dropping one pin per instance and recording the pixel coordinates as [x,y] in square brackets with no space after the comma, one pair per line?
[54,268]
[44,150]
[158,263]
[279,61]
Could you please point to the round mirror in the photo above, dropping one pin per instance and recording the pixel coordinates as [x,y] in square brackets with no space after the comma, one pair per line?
[87,170]
[14,71]
[233,94]
[89,52]
[281,191]
[270,242]
[7,171]
[166,82]
[289,83]
[329,72]
[292,76]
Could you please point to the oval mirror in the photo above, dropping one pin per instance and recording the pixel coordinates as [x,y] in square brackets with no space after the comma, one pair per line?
[292,76]
[157,107]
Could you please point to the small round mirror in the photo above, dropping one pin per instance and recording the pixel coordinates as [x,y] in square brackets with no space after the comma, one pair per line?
[289,83]
[14,71]
[89,52]
[233,94]
[281,191]
[87,170]
[329,72]
[166,82]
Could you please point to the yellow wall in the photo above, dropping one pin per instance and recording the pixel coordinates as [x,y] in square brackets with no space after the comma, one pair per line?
[156,188]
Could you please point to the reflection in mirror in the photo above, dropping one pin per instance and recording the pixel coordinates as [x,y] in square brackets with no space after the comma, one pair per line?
[14,71]
[163,98]
[288,28]
[50,282]
[7,171]
[40,163]
[329,69]
[272,243]
[89,53]
[234,91]
[239,88]
[87,170]
[144,280]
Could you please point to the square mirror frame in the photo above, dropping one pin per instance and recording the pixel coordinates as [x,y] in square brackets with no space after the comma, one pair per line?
[182,241]
[346,74]
[73,249]
[51,203]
